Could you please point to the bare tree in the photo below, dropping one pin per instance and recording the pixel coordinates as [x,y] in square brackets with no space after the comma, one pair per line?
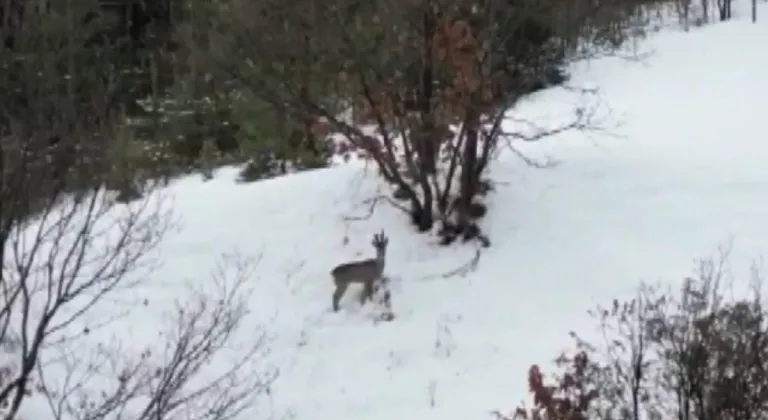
[705,11]
[69,248]
[724,9]
[185,372]
[683,9]
[754,11]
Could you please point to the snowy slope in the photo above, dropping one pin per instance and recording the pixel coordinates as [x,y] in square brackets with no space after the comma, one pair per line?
[685,173]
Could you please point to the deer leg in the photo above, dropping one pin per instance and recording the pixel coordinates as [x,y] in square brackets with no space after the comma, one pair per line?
[337,294]
[387,300]
[367,292]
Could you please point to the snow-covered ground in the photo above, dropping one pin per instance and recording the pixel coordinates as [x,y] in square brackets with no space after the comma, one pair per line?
[685,171]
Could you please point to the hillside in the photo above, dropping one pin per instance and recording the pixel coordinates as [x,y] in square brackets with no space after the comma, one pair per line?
[683,172]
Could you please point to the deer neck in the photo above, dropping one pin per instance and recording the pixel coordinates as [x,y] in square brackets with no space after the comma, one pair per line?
[380,259]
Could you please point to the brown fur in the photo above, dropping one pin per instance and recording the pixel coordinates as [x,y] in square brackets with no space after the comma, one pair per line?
[365,272]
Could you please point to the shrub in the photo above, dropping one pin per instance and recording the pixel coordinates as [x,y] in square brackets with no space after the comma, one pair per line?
[690,355]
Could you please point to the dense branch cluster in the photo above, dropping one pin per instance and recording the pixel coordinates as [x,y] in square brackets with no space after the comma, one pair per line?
[420,88]
[690,356]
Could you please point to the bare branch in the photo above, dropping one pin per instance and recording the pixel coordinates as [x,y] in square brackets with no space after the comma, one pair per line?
[194,372]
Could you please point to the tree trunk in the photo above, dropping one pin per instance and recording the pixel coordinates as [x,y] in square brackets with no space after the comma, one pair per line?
[422,216]
[724,8]
[468,168]
[310,140]
[427,146]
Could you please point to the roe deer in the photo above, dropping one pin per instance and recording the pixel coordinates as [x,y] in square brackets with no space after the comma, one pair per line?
[366,272]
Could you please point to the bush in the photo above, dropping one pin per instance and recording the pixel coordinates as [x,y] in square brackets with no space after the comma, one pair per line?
[691,355]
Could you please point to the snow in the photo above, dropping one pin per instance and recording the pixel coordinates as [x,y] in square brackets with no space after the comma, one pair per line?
[683,173]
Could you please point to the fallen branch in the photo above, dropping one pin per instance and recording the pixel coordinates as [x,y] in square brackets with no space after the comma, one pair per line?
[460,271]
[465,269]
[544,163]
[372,202]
